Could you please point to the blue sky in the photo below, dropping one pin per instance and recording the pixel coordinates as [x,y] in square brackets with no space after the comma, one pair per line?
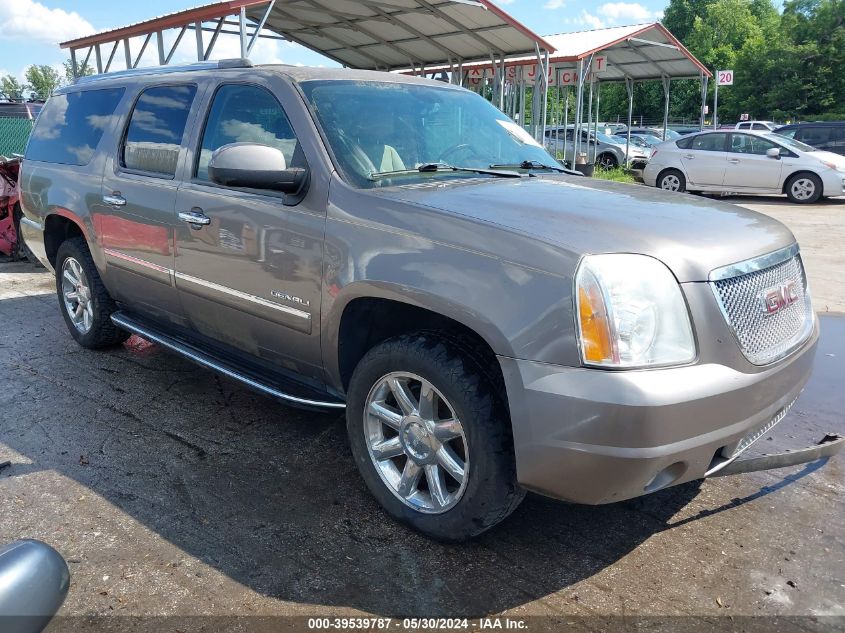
[32,28]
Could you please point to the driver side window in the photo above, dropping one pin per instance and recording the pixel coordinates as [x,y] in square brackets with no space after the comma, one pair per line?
[246,114]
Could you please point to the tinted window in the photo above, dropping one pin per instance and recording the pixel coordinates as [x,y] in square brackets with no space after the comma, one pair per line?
[814,135]
[709,142]
[155,131]
[71,125]
[684,143]
[748,144]
[759,126]
[245,114]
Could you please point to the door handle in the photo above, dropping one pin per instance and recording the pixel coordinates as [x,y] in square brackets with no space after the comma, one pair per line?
[195,217]
[689,156]
[735,161]
[115,199]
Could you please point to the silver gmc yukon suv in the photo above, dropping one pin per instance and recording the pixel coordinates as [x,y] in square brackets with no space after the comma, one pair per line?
[399,248]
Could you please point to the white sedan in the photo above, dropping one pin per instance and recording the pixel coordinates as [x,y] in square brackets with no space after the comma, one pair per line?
[746,162]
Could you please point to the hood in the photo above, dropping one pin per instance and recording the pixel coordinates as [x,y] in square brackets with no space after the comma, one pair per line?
[690,234]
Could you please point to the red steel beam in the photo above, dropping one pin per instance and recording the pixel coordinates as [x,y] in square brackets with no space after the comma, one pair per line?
[178,19]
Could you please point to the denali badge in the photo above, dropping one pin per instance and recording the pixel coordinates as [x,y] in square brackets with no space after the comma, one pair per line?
[776,299]
[292,299]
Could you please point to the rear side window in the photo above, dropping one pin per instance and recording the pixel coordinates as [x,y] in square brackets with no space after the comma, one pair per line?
[710,142]
[154,135]
[71,125]
[684,143]
[814,135]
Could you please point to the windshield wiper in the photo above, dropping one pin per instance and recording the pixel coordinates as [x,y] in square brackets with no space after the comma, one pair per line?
[534,165]
[427,168]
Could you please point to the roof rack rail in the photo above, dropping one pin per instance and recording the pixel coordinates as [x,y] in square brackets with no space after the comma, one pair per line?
[164,70]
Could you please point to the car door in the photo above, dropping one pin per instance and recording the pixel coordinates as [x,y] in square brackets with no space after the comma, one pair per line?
[137,218]
[748,165]
[250,279]
[706,159]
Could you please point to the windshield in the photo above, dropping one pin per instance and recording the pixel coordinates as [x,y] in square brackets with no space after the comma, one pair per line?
[381,128]
[790,143]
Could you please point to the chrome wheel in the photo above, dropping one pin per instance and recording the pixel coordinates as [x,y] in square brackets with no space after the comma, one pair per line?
[76,294]
[670,182]
[416,442]
[803,189]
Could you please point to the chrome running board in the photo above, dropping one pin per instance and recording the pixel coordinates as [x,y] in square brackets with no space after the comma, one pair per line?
[126,322]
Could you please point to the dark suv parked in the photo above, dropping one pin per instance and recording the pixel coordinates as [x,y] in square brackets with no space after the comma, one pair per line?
[399,248]
[825,136]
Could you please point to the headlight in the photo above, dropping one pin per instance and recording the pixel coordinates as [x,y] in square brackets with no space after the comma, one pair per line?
[630,313]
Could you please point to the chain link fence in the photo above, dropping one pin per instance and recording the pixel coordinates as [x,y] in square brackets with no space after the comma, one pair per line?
[14,133]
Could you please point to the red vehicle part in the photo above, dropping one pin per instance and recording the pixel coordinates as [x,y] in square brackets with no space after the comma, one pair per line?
[9,196]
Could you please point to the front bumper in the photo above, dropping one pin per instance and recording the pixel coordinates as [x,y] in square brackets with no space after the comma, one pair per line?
[592,436]
[833,183]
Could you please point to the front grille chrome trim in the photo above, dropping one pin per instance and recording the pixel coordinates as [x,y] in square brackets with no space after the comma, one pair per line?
[754,264]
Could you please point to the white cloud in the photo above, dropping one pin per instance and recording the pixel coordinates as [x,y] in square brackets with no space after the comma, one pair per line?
[30,20]
[554,4]
[625,12]
[590,20]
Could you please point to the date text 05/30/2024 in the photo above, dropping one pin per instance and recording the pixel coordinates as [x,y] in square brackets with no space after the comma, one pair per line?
[416,624]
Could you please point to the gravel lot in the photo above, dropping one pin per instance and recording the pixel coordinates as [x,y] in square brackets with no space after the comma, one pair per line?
[174,492]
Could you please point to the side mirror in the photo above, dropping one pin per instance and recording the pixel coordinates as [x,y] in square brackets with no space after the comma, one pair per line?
[34,580]
[255,166]
[773,152]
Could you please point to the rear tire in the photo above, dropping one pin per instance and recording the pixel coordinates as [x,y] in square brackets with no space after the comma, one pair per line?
[805,188]
[672,180]
[398,458]
[83,299]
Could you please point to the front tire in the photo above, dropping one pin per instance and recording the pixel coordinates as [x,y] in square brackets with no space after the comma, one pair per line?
[607,161]
[83,299]
[804,188]
[431,438]
[672,180]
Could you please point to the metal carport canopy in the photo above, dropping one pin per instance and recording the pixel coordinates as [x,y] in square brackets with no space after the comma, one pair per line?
[365,34]
[639,52]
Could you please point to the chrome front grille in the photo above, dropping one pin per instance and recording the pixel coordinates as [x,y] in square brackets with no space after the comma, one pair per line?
[764,335]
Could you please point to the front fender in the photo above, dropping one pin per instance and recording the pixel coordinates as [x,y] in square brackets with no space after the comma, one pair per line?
[519,311]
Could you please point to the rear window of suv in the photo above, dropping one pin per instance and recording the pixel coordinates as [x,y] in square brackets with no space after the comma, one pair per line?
[71,125]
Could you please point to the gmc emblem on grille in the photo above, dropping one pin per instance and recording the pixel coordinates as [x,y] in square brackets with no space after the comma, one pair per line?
[776,299]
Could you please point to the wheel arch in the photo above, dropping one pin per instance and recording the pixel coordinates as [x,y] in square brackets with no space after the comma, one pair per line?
[367,319]
[59,227]
[798,172]
[664,171]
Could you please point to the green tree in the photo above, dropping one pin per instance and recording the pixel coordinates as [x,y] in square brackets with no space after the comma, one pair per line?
[11,88]
[43,80]
[82,70]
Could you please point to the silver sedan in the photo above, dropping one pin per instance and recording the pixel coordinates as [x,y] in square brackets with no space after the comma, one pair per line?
[746,162]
